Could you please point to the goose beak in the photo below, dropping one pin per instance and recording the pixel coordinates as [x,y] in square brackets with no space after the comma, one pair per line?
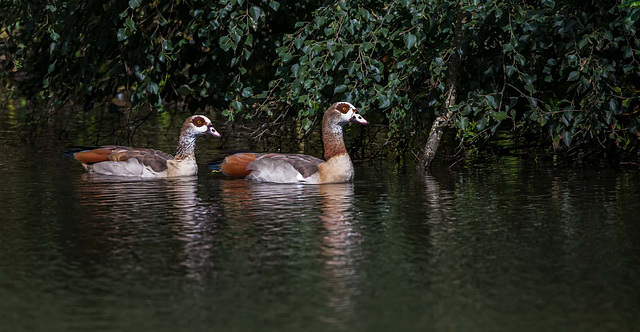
[212,131]
[357,118]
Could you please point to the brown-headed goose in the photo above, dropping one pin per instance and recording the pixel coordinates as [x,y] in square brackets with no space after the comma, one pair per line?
[126,161]
[300,168]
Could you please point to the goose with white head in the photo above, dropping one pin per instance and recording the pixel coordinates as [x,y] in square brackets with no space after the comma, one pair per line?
[148,163]
[300,168]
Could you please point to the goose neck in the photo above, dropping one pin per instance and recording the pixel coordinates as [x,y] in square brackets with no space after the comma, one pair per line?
[186,147]
[333,140]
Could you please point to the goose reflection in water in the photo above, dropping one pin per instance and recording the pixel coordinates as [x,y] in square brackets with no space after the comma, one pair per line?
[285,225]
[138,221]
[341,248]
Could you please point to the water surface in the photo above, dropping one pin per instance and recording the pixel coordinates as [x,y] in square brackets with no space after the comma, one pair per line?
[506,246]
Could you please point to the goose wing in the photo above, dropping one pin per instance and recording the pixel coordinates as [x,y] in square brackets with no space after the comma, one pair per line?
[154,159]
[306,165]
[270,167]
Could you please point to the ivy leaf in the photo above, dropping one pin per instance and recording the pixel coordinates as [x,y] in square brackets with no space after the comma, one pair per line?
[566,137]
[385,101]
[255,12]
[152,88]
[573,76]
[134,3]
[274,5]
[608,35]
[235,35]
[236,105]
[167,45]
[184,90]
[122,34]
[409,40]
[340,89]
[228,114]
[463,123]
[583,42]
[613,105]
[294,69]
[349,27]
[225,43]
[197,13]
[508,47]
[493,102]
[247,92]
[499,116]
[130,24]
[306,124]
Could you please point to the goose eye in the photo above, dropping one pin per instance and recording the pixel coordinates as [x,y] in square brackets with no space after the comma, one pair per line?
[344,108]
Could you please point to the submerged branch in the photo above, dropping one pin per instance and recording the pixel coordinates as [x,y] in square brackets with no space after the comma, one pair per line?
[437,128]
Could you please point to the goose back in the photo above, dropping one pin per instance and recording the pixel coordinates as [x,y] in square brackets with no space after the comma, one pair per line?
[283,168]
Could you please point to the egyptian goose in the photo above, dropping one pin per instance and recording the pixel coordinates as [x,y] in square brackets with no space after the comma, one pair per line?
[300,168]
[126,161]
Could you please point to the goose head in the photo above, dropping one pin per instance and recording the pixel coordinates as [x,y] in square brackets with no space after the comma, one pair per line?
[342,113]
[198,125]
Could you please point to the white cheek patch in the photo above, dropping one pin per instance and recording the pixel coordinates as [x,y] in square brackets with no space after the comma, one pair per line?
[347,116]
[205,126]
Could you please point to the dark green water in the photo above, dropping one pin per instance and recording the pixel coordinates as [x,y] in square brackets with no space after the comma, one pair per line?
[505,246]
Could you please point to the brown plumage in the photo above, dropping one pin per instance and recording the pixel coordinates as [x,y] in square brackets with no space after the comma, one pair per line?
[154,159]
[236,165]
[95,155]
[299,168]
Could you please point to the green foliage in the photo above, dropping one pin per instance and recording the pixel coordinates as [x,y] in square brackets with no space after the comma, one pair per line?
[567,71]
[563,74]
